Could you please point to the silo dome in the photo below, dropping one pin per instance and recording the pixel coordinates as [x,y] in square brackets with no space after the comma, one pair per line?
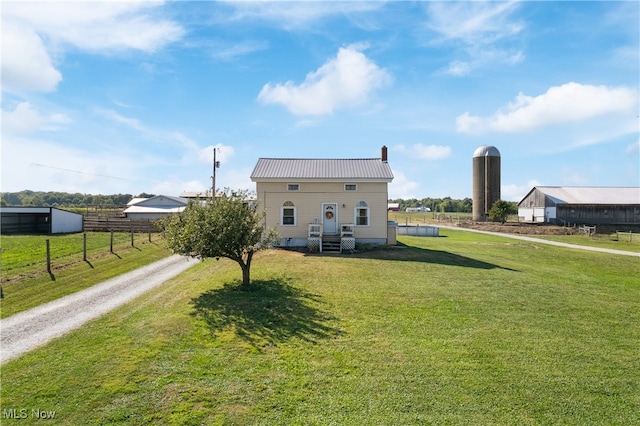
[486,151]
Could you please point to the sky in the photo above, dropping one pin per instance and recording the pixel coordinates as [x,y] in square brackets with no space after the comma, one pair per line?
[134,96]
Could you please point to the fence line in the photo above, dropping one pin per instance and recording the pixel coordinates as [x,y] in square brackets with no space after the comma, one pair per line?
[46,252]
[627,234]
[95,224]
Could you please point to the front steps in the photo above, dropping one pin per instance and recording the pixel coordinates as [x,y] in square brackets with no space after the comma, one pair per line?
[331,244]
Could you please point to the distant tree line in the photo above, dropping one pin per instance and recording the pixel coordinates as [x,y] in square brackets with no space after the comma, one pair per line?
[63,199]
[446,204]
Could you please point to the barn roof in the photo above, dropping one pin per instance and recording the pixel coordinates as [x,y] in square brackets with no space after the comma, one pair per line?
[143,209]
[288,169]
[158,200]
[590,194]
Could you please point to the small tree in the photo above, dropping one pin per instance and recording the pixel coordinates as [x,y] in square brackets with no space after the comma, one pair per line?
[227,227]
[501,210]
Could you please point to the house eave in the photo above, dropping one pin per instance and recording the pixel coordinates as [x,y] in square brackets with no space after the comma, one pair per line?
[321,180]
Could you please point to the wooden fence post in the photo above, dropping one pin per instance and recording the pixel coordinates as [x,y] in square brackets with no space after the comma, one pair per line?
[149,228]
[84,246]
[48,256]
[111,243]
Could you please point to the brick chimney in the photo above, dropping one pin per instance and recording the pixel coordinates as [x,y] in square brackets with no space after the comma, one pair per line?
[384,154]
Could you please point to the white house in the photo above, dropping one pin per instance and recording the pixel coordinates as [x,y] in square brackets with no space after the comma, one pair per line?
[325,203]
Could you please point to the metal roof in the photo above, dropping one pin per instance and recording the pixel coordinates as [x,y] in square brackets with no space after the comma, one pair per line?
[486,151]
[142,209]
[287,169]
[591,194]
[158,200]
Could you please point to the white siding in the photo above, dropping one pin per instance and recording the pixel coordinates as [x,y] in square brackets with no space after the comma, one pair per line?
[63,222]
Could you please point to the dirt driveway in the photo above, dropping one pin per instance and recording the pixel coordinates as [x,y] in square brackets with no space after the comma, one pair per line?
[26,330]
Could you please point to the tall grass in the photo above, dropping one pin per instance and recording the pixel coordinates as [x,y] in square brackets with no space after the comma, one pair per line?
[462,329]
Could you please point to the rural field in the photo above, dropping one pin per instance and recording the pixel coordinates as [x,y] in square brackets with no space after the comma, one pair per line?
[462,329]
[27,283]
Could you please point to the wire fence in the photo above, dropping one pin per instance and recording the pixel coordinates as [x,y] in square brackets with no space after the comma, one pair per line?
[20,254]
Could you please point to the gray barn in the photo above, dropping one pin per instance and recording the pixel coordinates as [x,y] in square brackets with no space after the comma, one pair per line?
[587,205]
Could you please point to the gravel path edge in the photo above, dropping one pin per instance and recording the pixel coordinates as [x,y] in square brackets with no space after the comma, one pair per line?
[29,329]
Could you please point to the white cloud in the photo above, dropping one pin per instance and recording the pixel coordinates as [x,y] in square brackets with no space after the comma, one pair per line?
[634,148]
[343,81]
[177,187]
[45,166]
[478,27]
[227,53]
[425,152]
[514,192]
[473,22]
[236,179]
[298,14]
[99,27]
[402,187]
[25,119]
[134,123]
[26,65]
[223,154]
[571,102]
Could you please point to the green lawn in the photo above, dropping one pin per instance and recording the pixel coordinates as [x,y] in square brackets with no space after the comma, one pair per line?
[624,242]
[462,329]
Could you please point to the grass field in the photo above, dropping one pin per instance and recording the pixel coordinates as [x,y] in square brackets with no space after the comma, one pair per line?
[26,282]
[615,241]
[24,254]
[462,329]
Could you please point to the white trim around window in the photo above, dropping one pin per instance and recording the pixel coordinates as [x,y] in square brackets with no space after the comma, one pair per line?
[361,214]
[288,214]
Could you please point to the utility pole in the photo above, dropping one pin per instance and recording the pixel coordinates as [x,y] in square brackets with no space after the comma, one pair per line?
[216,164]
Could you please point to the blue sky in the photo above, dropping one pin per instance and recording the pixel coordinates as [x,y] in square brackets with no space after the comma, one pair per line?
[131,97]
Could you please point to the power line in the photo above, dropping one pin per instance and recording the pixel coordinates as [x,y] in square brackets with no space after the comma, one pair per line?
[78,171]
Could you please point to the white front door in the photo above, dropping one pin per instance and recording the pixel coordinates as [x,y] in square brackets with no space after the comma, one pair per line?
[330,219]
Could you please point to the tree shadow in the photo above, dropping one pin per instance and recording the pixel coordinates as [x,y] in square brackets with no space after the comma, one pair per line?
[271,312]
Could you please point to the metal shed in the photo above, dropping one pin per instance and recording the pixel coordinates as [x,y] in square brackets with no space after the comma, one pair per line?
[581,205]
[39,220]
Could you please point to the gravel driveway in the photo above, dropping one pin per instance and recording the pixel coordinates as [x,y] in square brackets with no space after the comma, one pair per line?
[26,330]
[543,241]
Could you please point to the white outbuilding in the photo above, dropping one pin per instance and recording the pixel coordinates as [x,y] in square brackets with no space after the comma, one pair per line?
[39,220]
[157,207]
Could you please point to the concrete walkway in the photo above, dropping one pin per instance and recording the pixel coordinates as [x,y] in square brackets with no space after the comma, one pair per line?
[543,241]
[29,329]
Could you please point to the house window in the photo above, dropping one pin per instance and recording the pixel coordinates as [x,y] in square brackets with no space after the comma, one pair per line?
[350,187]
[293,187]
[288,214]
[362,214]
